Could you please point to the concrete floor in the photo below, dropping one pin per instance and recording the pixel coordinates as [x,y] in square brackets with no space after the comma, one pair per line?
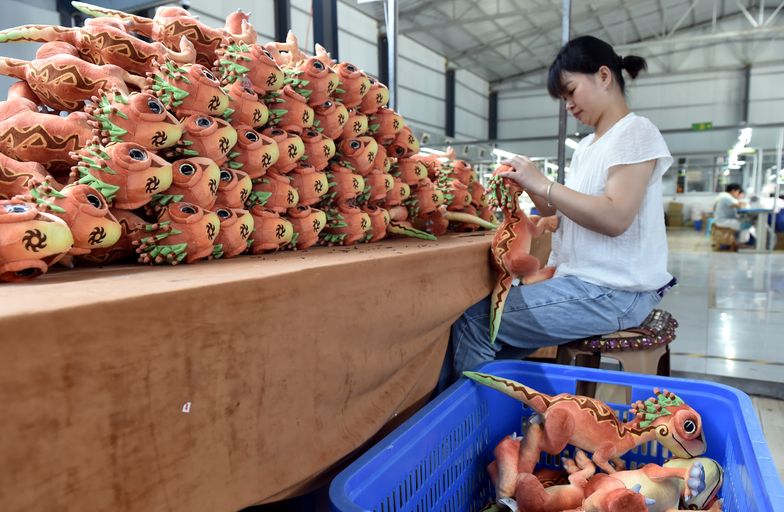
[730,307]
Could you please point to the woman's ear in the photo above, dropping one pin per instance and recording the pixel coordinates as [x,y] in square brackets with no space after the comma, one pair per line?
[605,77]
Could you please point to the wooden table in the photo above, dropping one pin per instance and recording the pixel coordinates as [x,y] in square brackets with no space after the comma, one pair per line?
[222,384]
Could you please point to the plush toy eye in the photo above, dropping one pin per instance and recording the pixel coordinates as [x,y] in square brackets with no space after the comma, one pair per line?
[351,68]
[187,169]
[208,75]
[26,272]
[276,131]
[16,208]
[399,151]
[137,154]
[154,106]
[251,136]
[187,208]
[223,213]
[267,53]
[312,133]
[372,81]
[203,122]
[94,200]
[689,426]
[355,144]
[225,175]
[327,104]
[318,65]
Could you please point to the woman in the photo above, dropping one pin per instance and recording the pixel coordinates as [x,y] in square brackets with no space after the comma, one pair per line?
[610,249]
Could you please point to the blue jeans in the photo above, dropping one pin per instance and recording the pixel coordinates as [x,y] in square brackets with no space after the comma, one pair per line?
[551,312]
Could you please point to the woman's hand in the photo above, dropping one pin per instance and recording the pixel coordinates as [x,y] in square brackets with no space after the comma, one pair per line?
[526,174]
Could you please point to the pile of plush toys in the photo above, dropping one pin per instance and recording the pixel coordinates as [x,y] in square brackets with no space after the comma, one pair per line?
[204,144]
[687,481]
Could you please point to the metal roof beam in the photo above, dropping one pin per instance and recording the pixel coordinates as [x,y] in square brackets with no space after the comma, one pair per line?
[423,6]
[683,18]
[775,13]
[468,21]
[555,25]
[601,24]
[655,41]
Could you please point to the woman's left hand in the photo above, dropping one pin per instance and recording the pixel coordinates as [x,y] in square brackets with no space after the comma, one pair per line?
[526,174]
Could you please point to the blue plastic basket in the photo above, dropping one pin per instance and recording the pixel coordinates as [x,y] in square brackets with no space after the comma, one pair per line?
[436,461]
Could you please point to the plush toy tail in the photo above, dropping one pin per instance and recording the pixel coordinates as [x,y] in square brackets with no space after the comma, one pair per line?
[38,34]
[13,67]
[537,401]
[468,219]
[138,24]
[497,302]
[400,229]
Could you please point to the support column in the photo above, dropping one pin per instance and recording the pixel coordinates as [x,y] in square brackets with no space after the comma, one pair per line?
[325,25]
[282,19]
[383,59]
[744,107]
[392,52]
[492,122]
[565,30]
[449,97]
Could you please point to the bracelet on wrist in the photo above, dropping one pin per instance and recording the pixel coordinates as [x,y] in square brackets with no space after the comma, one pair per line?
[549,188]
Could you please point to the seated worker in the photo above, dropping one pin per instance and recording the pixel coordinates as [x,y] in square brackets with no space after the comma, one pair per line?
[610,248]
[725,212]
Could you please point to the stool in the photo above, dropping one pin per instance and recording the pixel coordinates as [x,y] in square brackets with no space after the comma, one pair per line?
[723,237]
[643,349]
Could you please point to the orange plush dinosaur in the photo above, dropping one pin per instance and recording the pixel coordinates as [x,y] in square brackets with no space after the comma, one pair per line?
[591,425]
[511,245]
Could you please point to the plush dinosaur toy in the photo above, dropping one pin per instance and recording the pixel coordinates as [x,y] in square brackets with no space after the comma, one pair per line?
[591,425]
[172,23]
[31,240]
[691,483]
[511,246]
[28,135]
[104,41]
[63,81]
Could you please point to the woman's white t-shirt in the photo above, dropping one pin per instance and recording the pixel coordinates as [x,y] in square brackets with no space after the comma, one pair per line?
[637,259]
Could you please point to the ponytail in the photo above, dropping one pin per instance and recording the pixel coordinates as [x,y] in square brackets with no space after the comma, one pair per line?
[586,54]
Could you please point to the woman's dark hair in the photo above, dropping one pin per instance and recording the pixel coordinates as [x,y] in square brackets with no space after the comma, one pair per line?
[731,187]
[586,54]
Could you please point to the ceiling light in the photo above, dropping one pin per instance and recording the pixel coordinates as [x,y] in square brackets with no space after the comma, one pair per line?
[571,143]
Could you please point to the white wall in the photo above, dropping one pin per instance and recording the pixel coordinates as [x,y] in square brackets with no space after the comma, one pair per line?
[358,39]
[421,86]
[471,106]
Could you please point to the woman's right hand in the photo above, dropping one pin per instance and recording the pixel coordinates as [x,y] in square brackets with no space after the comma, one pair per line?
[526,174]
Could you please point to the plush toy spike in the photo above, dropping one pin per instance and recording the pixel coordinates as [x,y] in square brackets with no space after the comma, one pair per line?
[44,191]
[297,83]
[230,65]
[217,251]
[105,107]
[152,251]
[93,158]
[655,407]
[257,197]
[170,95]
